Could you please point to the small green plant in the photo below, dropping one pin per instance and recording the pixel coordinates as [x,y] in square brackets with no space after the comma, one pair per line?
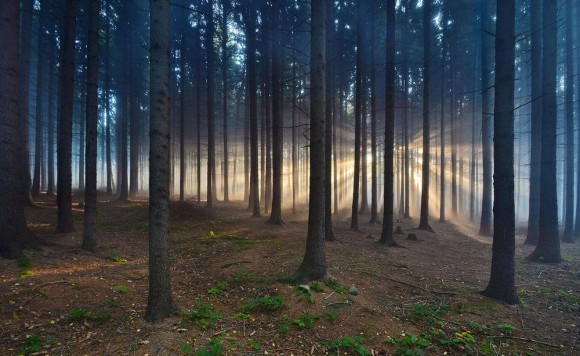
[284,329]
[347,343]
[331,314]
[304,292]
[241,316]
[462,340]
[220,288]
[240,273]
[330,283]
[305,321]
[409,345]
[429,312]
[479,327]
[35,343]
[264,304]
[254,344]
[84,314]
[506,329]
[112,303]
[212,348]
[25,264]
[121,289]
[117,256]
[204,316]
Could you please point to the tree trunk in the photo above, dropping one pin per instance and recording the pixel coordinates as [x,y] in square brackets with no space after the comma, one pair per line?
[502,278]
[182,83]
[442,118]
[108,122]
[160,302]
[89,241]
[64,152]
[198,106]
[277,130]
[358,115]
[52,112]
[577,223]
[313,264]
[82,129]
[548,248]
[569,220]
[387,233]
[24,98]
[374,177]
[406,111]
[210,110]
[424,217]
[225,97]
[485,227]
[329,102]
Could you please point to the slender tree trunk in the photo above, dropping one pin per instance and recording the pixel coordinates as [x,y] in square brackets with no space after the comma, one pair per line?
[502,284]
[64,159]
[442,124]
[182,83]
[82,129]
[329,102]
[210,111]
[40,100]
[52,112]
[577,218]
[225,97]
[198,107]
[406,111]
[424,218]
[364,203]
[548,247]
[387,233]
[160,302]
[485,227]
[569,221]
[24,98]
[374,176]
[313,264]
[277,130]
[453,119]
[89,241]
[294,138]
[358,115]
[108,122]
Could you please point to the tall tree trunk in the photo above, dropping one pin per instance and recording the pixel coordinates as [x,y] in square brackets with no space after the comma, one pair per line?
[210,110]
[502,284]
[134,123]
[452,116]
[442,118]
[577,218]
[64,159]
[277,130]
[226,5]
[374,176]
[387,233]
[569,220]
[24,98]
[108,122]
[358,114]
[82,129]
[40,100]
[406,111]
[536,123]
[160,302]
[182,83]
[294,134]
[424,217]
[198,106]
[313,264]
[89,241]
[548,247]
[124,117]
[250,23]
[329,102]
[485,227]
[52,112]
[14,233]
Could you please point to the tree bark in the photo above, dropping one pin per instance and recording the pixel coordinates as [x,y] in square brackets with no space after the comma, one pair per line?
[24,107]
[502,278]
[548,247]
[225,59]
[329,102]
[374,176]
[64,153]
[210,110]
[160,302]
[313,264]
[424,217]
[89,241]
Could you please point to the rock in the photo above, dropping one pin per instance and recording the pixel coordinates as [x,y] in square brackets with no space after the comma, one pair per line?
[412,237]
[399,230]
[353,290]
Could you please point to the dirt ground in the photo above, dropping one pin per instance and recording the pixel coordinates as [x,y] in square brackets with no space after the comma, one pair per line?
[230,280]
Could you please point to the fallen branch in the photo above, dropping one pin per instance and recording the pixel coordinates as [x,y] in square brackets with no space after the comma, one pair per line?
[49,283]
[524,339]
[336,303]
[409,284]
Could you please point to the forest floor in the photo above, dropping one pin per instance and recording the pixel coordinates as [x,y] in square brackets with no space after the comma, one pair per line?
[230,282]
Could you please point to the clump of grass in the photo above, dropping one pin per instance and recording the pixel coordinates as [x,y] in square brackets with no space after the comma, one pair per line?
[347,343]
[305,321]
[35,343]
[121,289]
[25,264]
[204,316]
[335,286]
[84,314]
[220,288]
[264,304]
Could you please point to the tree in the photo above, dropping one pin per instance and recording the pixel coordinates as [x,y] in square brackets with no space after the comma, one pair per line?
[108,109]
[442,119]
[210,109]
[548,247]
[182,84]
[24,98]
[225,58]
[89,242]
[160,302]
[486,213]
[358,115]
[387,233]
[374,175]
[502,278]
[536,123]
[14,235]
[568,235]
[64,153]
[329,102]
[313,264]
[424,217]
[277,134]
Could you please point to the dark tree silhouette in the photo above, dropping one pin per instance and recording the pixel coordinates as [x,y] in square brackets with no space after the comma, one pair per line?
[328,120]
[502,278]
[64,160]
[387,233]
[160,302]
[548,247]
[210,109]
[424,217]
[24,98]
[313,264]
[225,59]
[89,241]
